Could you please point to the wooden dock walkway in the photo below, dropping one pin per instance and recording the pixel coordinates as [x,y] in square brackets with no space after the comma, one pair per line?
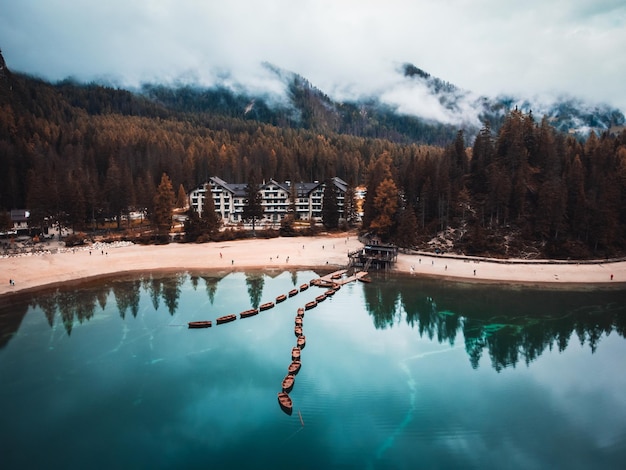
[337,278]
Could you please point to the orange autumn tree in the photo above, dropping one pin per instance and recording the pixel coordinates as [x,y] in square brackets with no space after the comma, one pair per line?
[386,206]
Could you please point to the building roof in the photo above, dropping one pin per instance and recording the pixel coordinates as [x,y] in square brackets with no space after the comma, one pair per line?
[302,189]
[19,215]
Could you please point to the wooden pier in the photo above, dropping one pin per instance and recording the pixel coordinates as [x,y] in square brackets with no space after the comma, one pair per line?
[337,278]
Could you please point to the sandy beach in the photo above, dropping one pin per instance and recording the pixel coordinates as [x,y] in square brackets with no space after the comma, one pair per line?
[29,271]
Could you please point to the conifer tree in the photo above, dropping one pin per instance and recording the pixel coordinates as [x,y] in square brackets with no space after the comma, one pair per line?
[210,218]
[181,197]
[253,208]
[349,206]
[406,236]
[386,205]
[330,210]
[378,171]
[164,205]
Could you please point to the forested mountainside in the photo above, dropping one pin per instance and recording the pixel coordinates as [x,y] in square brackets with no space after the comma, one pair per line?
[71,152]
[306,107]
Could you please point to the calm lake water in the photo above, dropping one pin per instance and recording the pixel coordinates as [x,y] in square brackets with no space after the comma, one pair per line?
[400,373]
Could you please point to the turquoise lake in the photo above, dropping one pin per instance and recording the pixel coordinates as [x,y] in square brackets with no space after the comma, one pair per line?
[400,373]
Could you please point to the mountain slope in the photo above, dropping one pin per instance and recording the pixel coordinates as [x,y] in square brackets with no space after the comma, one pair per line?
[416,108]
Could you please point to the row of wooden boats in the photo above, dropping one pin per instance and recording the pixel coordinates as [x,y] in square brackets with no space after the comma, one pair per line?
[324,283]
[284,400]
[246,313]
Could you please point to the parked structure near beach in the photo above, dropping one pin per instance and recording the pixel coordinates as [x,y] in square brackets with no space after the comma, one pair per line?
[229,198]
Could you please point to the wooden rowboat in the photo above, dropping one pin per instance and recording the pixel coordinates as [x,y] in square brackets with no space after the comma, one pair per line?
[199,324]
[281,298]
[295,353]
[298,331]
[299,321]
[301,341]
[310,305]
[293,292]
[330,292]
[294,367]
[225,318]
[300,312]
[336,276]
[248,313]
[288,382]
[266,306]
[320,298]
[304,287]
[284,400]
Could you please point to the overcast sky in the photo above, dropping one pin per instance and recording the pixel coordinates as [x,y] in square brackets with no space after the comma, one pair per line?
[343,47]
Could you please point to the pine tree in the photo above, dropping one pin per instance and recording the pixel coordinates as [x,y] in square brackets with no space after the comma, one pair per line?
[378,171]
[330,210]
[349,206]
[114,191]
[164,205]
[292,210]
[210,219]
[181,197]
[253,208]
[386,205]
[407,228]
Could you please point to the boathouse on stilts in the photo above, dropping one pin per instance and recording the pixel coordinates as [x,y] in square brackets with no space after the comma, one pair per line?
[374,256]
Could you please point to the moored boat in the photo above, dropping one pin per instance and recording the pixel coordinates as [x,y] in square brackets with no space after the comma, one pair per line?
[266,306]
[298,330]
[310,305]
[288,382]
[199,324]
[330,292]
[320,298]
[304,287]
[293,292]
[336,276]
[299,321]
[248,313]
[294,367]
[226,318]
[285,402]
[281,298]
[300,312]
[301,341]
[295,353]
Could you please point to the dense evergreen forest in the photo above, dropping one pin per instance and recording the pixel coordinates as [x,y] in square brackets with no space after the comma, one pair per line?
[74,152]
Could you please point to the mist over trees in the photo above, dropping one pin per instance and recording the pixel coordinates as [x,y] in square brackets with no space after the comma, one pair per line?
[79,154]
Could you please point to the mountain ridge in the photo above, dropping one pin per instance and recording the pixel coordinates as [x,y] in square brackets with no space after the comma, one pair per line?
[384,115]
[417,108]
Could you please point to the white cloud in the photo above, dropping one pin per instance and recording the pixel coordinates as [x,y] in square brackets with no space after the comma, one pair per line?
[486,46]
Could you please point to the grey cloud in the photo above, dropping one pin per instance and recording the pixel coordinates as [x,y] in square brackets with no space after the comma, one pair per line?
[344,48]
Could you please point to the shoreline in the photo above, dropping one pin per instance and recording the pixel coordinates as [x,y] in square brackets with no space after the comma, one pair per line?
[32,272]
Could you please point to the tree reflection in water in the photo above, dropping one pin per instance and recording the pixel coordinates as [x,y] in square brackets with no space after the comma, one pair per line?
[255,283]
[509,324]
[513,325]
